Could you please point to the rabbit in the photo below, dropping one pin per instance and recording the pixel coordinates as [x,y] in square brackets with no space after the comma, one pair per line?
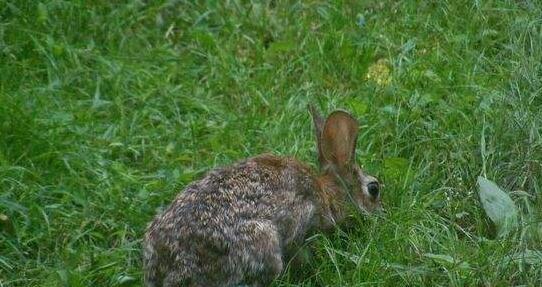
[238,225]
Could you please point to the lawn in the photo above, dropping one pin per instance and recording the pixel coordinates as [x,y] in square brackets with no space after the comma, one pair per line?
[109,108]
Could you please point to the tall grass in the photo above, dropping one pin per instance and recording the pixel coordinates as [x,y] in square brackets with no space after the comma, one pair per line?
[107,109]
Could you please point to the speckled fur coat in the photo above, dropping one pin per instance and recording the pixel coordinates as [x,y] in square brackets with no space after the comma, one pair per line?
[237,225]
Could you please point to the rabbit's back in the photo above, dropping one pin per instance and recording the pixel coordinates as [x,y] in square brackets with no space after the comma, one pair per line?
[233,226]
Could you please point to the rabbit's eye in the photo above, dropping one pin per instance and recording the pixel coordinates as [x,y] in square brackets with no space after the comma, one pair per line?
[373,188]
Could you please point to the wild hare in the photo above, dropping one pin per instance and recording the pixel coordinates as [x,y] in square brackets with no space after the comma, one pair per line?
[239,224]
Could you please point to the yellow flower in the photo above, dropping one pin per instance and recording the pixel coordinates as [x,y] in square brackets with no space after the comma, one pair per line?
[380,73]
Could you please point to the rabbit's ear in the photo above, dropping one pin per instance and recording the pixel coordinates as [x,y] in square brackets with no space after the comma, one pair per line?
[339,138]
[318,122]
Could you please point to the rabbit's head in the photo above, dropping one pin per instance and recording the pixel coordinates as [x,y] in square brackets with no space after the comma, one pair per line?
[344,179]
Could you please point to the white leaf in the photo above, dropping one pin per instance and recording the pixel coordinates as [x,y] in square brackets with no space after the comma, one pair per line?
[498,206]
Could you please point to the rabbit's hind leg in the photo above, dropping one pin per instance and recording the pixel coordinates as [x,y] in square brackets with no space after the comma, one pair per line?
[260,252]
[174,279]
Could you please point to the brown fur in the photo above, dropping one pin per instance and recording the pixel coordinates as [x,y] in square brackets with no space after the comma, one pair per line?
[238,224]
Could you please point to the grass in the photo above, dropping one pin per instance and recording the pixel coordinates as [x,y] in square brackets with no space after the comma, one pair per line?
[107,109]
